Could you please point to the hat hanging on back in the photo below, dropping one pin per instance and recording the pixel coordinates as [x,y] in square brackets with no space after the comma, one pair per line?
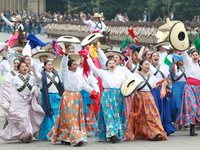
[130,86]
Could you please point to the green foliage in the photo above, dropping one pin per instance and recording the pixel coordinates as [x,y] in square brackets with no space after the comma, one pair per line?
[182,9]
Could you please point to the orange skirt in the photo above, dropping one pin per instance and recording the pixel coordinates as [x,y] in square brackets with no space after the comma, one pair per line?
[147,124]
[70,122]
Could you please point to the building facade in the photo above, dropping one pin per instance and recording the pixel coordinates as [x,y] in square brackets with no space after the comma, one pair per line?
[32,5]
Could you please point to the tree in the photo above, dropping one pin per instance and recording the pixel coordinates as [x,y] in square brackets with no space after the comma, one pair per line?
[152,4]
[170,5]
[96,6]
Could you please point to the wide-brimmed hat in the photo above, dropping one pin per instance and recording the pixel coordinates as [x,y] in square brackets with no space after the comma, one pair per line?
[17,18]
[124,49]
[2,49]
[112,53]
[47,47]
[90,38]
[43,53]
[178,37]
[68,39]
[161,43]
[167,26]
[57,61]
[130,86]
[96,15]
[17,48]
[106,46]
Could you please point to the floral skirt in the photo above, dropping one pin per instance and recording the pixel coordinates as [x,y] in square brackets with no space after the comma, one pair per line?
[147,124]
[111,119]
[128,104]
[89,116]
[70,122]
[190,109]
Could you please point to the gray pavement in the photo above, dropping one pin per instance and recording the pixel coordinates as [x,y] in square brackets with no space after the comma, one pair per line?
[180,140]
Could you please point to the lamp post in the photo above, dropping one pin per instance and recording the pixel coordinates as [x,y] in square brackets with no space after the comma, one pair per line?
[38,7]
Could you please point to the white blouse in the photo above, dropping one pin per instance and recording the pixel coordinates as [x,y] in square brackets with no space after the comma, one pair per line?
[91,80]
[73,81]
[177,74]
[163,68]
[162,56]
[9,75]
[152,81]
[4,67]
[110,79]
[52,88]
[18,83]
[191,69]
[103,59]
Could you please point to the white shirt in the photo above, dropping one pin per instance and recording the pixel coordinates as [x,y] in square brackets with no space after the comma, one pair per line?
[12,23]
[177,74]
[4,67]
[162,56]
[103,59]
[152,81]
[91,80]
[38,66]
[163,68]
[94,27]
[110,79]
[191,69]
[52,88]
[18,83]
[9,75]
[73,81]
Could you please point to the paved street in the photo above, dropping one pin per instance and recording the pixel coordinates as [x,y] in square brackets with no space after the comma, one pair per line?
[177,141]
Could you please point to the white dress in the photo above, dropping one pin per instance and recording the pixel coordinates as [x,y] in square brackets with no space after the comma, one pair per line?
[22,109]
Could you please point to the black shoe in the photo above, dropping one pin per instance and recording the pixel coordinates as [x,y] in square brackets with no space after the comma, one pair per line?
[158,138]
[28,139]
[65,143]
[192,130]
[113,139]
[80,143]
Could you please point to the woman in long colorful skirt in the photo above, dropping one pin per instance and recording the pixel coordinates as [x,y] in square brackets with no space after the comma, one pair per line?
[70,124]
[161,72]
[178,76]
[20,101]
[190,114]
[111,120]
[51,92]
[147,123]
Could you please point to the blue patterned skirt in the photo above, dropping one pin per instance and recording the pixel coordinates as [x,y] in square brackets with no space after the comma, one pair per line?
[111,119]
[176,100]
[48,122]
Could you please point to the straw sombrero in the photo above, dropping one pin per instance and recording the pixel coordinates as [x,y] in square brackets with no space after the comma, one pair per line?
[17,18]
[43,53]
[178,37]
[161,42]
[104,47]
[90,38]
[124,49]
[47,47]
[167,26]
[96,15]
[2,49]
[130,86]
[68,39]
[57,61]
[17,48]
[112,53]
